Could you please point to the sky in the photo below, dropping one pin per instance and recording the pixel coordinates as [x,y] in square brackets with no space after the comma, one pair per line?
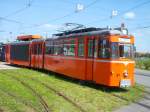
[46,17]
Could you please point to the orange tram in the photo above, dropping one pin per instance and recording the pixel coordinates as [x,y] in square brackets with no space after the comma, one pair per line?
[101,55]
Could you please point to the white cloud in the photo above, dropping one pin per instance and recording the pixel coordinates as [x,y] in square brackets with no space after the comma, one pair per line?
[129,15]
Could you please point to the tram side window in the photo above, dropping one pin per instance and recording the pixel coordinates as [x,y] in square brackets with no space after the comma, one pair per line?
[58,48]
[104,49]
[81,47]
[49,48]
[35,49]
[90,48]
[39,49]
[69,48]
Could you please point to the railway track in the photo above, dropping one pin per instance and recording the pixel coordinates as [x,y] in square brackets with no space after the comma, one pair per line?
[50,88]
[60,94]
[41,100]
[19,99]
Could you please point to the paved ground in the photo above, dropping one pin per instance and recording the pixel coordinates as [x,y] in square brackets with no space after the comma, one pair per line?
[141,77]
[3,65]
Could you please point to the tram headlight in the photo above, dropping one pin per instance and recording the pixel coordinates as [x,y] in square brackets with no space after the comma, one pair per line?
[125,74]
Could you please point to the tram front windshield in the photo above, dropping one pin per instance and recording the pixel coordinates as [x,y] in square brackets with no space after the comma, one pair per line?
[115,50]
[122,50]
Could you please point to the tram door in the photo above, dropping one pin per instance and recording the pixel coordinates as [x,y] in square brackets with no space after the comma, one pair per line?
[33,60]
[39,55]
[7,54]
[90,58]
[35,56]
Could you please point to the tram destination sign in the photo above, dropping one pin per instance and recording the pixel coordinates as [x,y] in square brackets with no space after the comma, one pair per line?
[126,40]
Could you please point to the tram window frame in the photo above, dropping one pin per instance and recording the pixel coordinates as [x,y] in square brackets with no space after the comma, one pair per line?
[69,47]
[58,47]
[39,48]
[81,45]
[35,49]
[91,47]
[49,48]
[126,51]
[95,48]
[104,49]
[114,50]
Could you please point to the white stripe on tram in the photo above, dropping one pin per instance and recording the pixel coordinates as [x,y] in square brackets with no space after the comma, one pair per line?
[103,61]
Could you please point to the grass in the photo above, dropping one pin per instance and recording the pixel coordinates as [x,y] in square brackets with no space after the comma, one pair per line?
[143,63]
[15,97]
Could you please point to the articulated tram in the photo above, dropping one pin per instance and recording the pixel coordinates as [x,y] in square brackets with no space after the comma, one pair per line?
[103,56]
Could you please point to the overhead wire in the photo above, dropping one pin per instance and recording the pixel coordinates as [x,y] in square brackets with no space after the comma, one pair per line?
[16,12]
[142,27]
[70,2]
[10,20]
[130,9]
[92,3]
[20,10]
[67,15]
[135,7]
[2,31]
[5,18]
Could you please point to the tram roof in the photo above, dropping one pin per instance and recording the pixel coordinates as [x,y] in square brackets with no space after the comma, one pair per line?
[76,33]
[90,33]
[19,42]
[28,37]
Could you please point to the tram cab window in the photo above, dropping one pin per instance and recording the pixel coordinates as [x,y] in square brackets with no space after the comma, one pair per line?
[104,49]
[126,51]
[69,48]
[81,47]
[114,50]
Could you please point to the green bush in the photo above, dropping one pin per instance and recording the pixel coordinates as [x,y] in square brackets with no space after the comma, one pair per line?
[139,64]
[147,64]
[143,63]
